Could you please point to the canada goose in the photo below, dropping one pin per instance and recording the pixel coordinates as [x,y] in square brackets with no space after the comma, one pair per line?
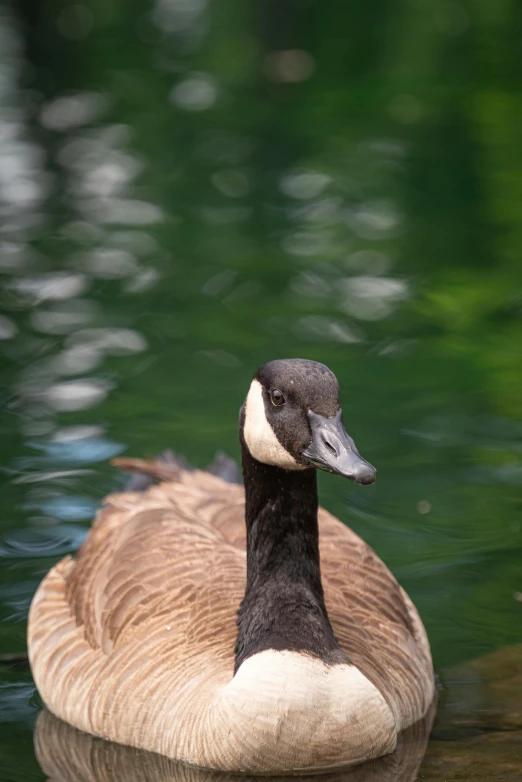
[133,640]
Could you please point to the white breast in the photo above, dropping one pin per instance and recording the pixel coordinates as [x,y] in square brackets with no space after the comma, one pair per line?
[287,711]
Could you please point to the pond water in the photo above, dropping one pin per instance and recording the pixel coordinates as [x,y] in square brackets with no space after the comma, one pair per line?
[190,188]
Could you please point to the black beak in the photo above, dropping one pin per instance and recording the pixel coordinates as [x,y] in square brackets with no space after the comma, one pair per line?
[333,450]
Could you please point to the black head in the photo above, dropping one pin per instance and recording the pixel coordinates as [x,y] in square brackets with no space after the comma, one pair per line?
[292,419]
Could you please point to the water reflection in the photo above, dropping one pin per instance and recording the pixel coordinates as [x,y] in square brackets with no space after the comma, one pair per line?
[52,542]
[187,191]
[55,335]
[65,753]
[15,703]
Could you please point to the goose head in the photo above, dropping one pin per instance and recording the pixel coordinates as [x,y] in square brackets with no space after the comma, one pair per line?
[292,419]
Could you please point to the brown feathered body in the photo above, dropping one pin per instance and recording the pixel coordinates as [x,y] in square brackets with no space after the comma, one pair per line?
[133,639]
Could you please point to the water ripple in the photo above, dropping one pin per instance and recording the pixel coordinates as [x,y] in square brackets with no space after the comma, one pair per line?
[48,542]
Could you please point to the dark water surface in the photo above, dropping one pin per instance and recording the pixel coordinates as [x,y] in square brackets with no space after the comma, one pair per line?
[189,188]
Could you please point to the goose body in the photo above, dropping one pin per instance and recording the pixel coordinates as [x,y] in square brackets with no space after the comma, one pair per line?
[138,638]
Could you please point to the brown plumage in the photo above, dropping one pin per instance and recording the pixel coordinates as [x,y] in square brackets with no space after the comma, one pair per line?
[136,638]
[146,613]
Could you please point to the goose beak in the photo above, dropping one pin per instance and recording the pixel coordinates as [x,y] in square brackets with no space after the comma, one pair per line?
[333,450]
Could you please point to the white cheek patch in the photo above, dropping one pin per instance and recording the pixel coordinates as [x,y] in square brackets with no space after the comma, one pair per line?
[259,435]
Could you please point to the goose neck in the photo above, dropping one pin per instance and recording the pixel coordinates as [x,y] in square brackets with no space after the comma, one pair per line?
[281,520]
[283,607]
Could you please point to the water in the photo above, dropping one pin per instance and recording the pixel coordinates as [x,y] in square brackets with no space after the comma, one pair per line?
[188,189]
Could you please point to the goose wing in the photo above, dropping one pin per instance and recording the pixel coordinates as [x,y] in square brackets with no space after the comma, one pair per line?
[375,622]
[148,603]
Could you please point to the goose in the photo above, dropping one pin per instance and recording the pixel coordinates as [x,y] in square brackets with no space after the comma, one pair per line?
[237,628]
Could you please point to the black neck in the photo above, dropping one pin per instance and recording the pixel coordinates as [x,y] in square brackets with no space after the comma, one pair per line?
[283,607]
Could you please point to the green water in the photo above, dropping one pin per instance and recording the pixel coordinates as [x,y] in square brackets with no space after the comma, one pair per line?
[189,188]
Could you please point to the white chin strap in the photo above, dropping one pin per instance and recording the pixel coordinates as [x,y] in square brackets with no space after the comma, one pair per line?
[259,435]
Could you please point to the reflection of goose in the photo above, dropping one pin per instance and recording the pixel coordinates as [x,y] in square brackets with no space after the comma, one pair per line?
[66,754]
[134,639]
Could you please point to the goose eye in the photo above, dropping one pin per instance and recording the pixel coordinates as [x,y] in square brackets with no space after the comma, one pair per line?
[277,397]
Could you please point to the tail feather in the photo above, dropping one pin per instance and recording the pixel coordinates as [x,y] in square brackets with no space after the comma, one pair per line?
[168,466]
[225,467]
